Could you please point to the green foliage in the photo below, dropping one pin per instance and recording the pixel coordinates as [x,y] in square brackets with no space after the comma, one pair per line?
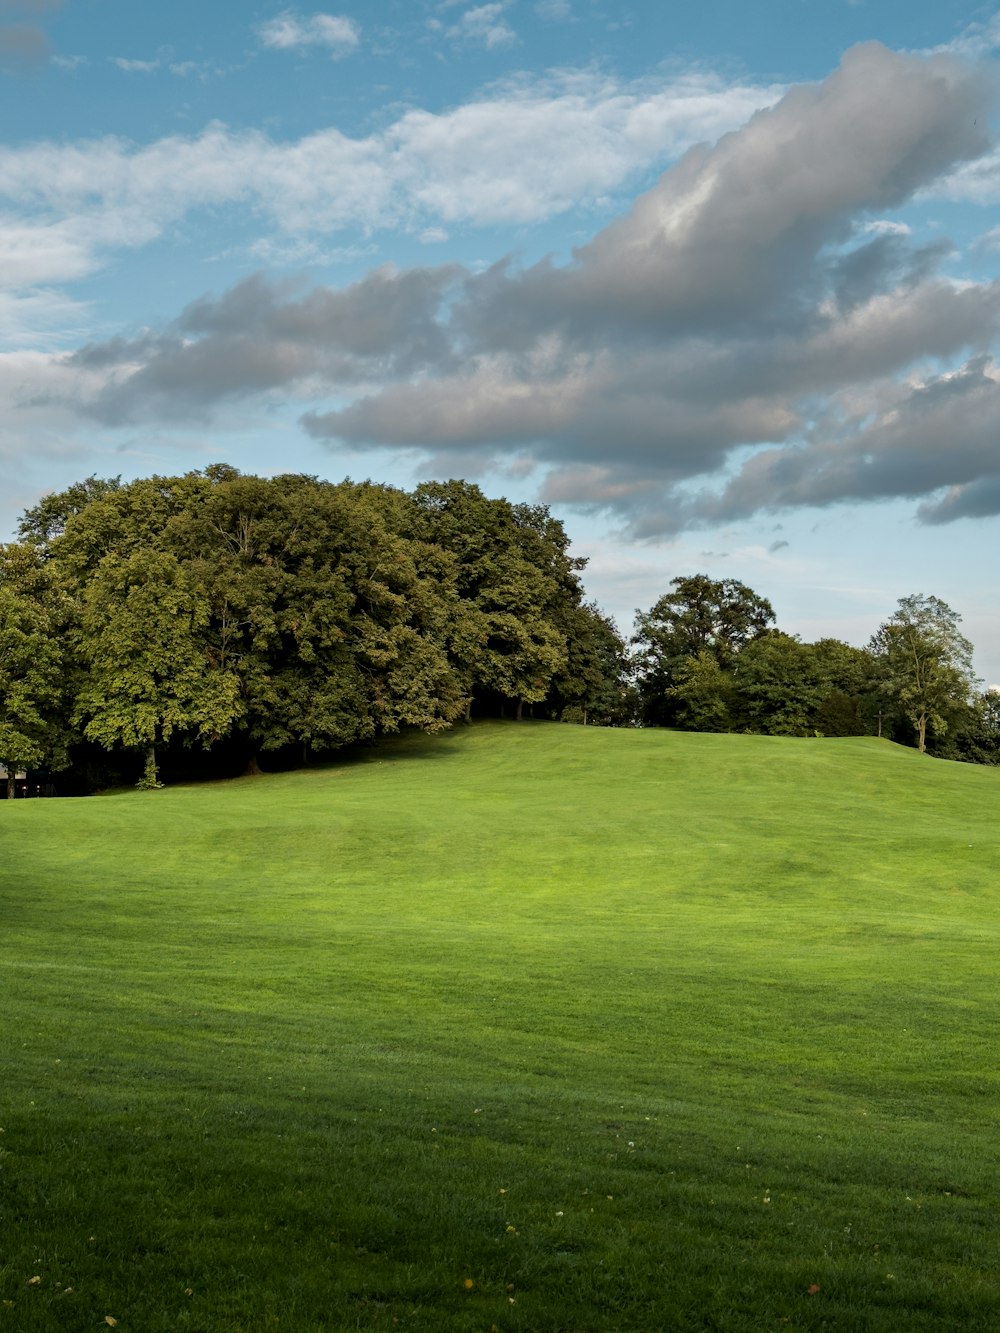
[851,706]
[839,714]
[292,614]
[781,685]
[34,665]
[518,585]
[701,615]
[974,734]
[593,685]
[45,521]
[708,660]
[703,695]
[148,673]
[924,664]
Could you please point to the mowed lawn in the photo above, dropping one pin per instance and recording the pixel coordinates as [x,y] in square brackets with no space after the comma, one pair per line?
[525,1027]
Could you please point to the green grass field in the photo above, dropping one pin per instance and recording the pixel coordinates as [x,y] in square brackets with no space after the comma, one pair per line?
[526,1027]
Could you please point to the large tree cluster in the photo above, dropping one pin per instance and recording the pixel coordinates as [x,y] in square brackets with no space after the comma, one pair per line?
[285,614]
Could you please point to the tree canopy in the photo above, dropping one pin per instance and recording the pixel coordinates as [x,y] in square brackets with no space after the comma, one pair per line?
[292,614]
[924,664]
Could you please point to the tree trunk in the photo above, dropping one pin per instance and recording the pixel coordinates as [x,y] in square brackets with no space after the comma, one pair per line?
[922,733]
[10,782]
[520,707]
[585,717]
[150,774]
[468,711]
[253,769]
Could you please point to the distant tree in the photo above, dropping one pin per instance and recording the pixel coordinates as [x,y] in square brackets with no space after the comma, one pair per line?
[33,663]
[974,734]
[593,685]
[850,707]
[780,685]
[700,615]
[702,696]
[924,664]
[516,580]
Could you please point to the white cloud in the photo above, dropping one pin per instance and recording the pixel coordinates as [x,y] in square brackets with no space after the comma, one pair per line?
[135,66]
[485,24]
[553,11]
[289,32]
[886,227]
[975,182]
[979,39]
[47,318]
[523,154]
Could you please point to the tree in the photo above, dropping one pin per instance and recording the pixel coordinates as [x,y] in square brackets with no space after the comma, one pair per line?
[593,685]
[45,521]
[924,664]
[33,617]
[289,613]
[701,615]
[703,694]
[780,685]
[973,735]
[976,738]
[851,706]
[149,674]
[516,580]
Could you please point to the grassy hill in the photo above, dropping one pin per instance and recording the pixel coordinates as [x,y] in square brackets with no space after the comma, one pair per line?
[526,1027]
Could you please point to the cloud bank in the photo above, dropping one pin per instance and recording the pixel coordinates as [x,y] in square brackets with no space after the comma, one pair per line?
[753,335]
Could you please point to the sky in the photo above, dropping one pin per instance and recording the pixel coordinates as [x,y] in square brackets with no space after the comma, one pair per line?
[720,284]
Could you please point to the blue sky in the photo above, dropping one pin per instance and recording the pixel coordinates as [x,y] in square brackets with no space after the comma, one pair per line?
[719,283]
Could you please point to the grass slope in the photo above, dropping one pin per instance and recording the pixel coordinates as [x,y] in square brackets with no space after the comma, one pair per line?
[527,1027]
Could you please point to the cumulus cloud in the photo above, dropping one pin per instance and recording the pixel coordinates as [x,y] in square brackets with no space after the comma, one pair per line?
[289,32]
[260,336]
[754,317]
[924,437]
[485,24]
[734,231]
[979,38]
[729,309]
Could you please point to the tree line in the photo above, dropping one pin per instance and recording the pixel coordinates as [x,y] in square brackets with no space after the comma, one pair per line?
[205,621]
[708,657]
